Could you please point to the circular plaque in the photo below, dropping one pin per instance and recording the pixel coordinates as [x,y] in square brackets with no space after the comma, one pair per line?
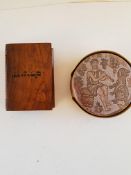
[101,84]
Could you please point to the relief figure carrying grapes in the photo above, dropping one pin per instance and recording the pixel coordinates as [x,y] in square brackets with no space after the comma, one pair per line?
[95,83]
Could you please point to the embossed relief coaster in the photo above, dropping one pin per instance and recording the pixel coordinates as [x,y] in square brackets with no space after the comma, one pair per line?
[101,84]
[29,77]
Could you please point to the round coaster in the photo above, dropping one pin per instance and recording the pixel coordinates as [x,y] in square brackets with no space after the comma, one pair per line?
[101,84]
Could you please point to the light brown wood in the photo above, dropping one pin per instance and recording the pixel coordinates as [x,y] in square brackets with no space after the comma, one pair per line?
[29,77]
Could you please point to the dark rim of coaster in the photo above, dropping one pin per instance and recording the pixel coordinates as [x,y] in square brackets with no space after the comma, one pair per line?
[101,84]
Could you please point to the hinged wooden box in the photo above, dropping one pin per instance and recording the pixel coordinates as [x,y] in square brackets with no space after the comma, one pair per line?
[29,77]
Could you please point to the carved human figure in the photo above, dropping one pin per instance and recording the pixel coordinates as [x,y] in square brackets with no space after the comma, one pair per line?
[95,84]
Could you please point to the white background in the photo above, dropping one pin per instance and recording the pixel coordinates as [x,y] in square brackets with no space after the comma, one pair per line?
[65,141]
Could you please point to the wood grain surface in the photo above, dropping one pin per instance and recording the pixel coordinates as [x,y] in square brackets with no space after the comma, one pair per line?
[29,77]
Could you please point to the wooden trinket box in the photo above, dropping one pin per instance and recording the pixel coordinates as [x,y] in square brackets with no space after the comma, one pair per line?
[101,84]
[29,77]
